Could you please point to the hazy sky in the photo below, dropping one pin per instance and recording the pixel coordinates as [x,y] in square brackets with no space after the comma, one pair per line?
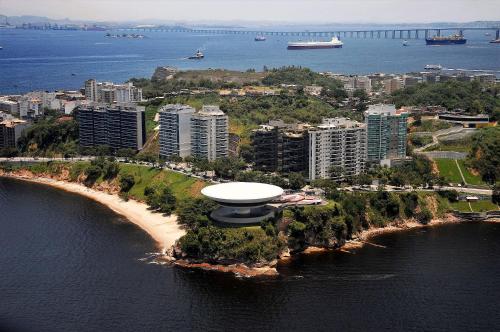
[321,11]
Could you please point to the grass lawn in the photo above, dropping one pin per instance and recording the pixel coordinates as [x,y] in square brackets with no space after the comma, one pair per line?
[448,168]
[182,186]
[482,206]
[479,206]
[461,206]
[469,177]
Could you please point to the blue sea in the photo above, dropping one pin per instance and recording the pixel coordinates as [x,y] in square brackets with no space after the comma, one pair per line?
[49,60]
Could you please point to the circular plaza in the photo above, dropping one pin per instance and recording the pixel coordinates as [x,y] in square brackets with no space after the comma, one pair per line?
[243,202]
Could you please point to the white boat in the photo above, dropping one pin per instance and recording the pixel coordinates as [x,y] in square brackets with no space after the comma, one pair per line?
[260,38]
[433,67]
[334,43]
[197,56]
[405,43]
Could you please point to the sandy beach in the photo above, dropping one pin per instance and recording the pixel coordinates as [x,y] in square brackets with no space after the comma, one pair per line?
[163,229]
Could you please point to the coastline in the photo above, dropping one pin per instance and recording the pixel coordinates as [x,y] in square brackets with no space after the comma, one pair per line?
[163,229]
[166,231]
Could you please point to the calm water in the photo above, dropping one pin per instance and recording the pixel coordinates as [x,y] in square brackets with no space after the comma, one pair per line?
[46,60]
[69,264]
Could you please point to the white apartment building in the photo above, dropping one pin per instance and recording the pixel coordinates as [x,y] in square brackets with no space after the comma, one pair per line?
[175,130]
[209,134]
[337,149]
[108,92]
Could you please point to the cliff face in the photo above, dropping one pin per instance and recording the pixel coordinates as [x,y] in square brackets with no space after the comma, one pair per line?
[163,73]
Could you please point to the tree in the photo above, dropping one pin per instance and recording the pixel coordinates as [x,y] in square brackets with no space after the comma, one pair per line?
[495,198]
[127,181]
[160,198]
[296,181]
[93,172]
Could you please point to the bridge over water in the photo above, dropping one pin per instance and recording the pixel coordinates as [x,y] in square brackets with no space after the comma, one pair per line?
[414,33]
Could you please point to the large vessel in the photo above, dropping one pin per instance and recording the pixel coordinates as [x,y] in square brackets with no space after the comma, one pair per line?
[495,41]
[260,38]
[334,43]
[433,67]
[447,40]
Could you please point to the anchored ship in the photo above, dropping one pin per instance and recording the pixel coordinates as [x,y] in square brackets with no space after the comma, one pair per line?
[433,67]
[260,38]
[334,43]
[448,40]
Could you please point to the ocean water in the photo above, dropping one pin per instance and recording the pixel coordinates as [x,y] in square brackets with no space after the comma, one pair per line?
[70,264]
[49,60]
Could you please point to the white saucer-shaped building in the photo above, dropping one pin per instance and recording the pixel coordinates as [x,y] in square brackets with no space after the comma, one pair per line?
[242,202]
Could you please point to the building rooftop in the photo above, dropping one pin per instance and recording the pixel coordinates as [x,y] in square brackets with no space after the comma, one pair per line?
[242,192]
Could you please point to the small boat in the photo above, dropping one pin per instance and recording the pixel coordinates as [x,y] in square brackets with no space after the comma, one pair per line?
[260,38]
[1,48]
[405,43]
[495,41]
[197,56]
[73,74]
[487,34]
[433,67]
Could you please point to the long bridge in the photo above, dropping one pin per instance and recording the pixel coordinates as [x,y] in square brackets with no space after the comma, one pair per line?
[414,33]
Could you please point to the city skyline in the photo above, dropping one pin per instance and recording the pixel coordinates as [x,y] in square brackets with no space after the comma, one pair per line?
[295,11]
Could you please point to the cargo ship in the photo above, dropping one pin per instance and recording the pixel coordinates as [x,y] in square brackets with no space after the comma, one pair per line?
[448,40]
[260,38]
[334,43]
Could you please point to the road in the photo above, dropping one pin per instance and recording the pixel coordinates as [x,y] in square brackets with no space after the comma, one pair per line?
[349,188]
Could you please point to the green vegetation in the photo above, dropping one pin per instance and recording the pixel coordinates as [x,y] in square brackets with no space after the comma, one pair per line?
[463,145]
[449,170]
[473,97]
[216,243]
[182,186]
[485,154]
[468,176]
[419,141]
[50,137]
[430,125]
[160,198]
[479,206]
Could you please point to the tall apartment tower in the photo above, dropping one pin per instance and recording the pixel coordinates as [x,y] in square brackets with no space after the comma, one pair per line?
[337,145]
[280,147]
[209,134]
[112,125]
[91,90]
[386,132]
[175,130]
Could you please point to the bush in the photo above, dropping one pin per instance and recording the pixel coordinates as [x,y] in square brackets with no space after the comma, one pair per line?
[424,216]
[127,181]
[160,199]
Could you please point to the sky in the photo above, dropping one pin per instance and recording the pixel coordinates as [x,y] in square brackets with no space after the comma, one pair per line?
[294,11]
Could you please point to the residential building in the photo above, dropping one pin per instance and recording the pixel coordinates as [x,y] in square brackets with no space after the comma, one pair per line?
[175,130]
[10,131]
[209,133]
[108,92]
[9,106]
[337,149]
[117,126]
[392,84]
[386,132]
[280,147]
